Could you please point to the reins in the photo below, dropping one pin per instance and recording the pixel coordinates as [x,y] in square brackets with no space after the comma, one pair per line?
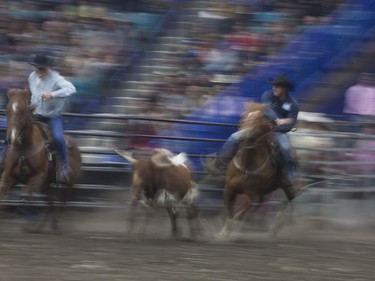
[27,151]
[252,146]
[247,172]
[32,152]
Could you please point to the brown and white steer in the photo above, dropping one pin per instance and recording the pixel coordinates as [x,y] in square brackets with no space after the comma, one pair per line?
[163,180]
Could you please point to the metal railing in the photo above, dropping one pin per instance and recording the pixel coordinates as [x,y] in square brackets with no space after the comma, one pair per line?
[332,173]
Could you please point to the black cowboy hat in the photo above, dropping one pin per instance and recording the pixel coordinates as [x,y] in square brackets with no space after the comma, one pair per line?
[282,79]
[41,61]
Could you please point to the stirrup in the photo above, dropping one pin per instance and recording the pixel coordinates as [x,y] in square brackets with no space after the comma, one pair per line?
[212,167]
[63,176]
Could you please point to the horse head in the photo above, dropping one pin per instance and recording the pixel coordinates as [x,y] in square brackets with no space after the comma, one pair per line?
[254,150]
[256,121]
[19,116]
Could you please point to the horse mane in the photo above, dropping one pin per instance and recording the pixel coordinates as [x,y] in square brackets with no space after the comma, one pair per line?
[252,107]
[23,95]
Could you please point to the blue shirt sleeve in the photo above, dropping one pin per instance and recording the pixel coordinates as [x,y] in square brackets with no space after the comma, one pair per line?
[287,127]
[267,99]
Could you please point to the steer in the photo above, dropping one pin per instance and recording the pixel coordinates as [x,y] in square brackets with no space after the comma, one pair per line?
[163,180]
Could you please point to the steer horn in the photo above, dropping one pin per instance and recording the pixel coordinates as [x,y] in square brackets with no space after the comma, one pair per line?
[126,155]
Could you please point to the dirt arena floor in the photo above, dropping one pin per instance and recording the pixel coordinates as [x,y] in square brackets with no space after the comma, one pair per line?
[96,246]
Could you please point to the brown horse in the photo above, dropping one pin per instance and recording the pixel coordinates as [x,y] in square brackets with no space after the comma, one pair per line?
[256,169]
[29,160]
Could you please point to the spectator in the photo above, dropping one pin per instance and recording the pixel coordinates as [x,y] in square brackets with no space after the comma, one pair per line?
[360,99]
[221,59]
[360,104]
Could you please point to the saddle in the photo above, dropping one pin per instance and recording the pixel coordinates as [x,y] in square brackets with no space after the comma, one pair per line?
[276,156]
[40,122]
[48,140]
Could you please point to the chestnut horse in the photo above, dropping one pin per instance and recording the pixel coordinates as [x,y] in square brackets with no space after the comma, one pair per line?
[29,160]
[256,169]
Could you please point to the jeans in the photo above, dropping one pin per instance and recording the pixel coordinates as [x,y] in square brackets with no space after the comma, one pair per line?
[231,145]
[283,142]
[57,130]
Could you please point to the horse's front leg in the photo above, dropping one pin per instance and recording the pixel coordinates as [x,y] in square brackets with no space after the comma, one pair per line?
[229,200]
[54,211]
[6,183]
[35,184]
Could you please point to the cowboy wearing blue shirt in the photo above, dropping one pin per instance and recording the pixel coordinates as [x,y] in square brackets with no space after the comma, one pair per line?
[283,110]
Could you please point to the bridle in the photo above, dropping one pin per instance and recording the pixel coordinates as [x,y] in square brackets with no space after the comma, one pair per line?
[254,145]
[15,146]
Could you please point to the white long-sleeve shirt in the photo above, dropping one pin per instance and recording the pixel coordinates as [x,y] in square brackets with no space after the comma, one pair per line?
[53,83]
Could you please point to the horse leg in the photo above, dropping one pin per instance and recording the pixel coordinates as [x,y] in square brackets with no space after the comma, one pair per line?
[229,200]
[62,195]
[6,184]
[48,211]
[36,183]
[246,208]
[282,217]
[249,209]
[56,211]
[172,212]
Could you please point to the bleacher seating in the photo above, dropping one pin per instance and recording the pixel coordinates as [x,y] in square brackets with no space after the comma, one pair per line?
[305,59]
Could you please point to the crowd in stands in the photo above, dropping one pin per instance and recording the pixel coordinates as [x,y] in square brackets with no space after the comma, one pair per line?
[225,40]
[97,43]
[93,43]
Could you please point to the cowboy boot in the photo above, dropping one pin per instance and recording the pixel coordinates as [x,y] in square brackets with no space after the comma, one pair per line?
[217,163]
[64,174]
[214,165]
[289,180]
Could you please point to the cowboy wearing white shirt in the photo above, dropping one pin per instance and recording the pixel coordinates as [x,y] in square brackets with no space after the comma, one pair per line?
[48,96]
